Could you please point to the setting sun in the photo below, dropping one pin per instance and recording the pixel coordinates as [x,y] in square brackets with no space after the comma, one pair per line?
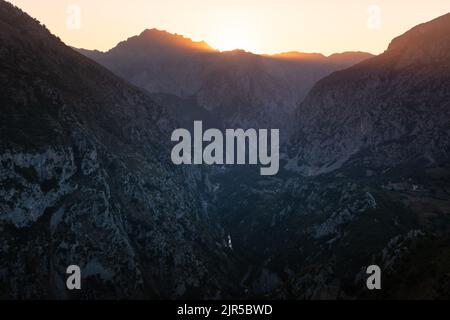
[258,26]
[186,154]
[233,37]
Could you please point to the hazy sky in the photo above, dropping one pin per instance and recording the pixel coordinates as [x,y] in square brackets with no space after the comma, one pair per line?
[261,26]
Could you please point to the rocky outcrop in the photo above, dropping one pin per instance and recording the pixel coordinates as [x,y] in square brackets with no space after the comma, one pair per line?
[86,179]
[386,111]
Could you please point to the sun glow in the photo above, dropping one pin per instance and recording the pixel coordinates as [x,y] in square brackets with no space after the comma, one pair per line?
[268,26]
[233,37]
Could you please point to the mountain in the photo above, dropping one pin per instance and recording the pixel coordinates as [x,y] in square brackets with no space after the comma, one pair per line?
[240,88]
[366,180]
[373,143]
[164,55]
[348,58]
[86,179]
[392,109]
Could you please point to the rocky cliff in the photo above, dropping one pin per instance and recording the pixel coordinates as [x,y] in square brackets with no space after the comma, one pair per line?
[386,111]
[85,179]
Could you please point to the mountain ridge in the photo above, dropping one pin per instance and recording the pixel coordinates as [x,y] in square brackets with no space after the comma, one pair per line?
[394,75]
[242,88]
[86,179]
[365,182]
[173,39]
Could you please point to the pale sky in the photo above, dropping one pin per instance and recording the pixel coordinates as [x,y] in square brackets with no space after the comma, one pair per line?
[260,26]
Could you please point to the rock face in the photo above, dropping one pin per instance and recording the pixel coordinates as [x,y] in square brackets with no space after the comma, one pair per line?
[85,179]
[366,181]
[240,88]
[389,110]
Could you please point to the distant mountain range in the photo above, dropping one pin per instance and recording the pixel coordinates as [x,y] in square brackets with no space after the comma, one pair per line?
[240,88]
[86,176]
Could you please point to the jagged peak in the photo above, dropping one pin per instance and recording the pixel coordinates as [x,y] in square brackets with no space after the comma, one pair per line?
[163,38]
[433,33]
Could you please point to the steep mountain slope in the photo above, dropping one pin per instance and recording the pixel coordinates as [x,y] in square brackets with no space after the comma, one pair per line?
[367,182]
[86,179]
[85,174]
[241,88]
[158,61]
[390,110]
